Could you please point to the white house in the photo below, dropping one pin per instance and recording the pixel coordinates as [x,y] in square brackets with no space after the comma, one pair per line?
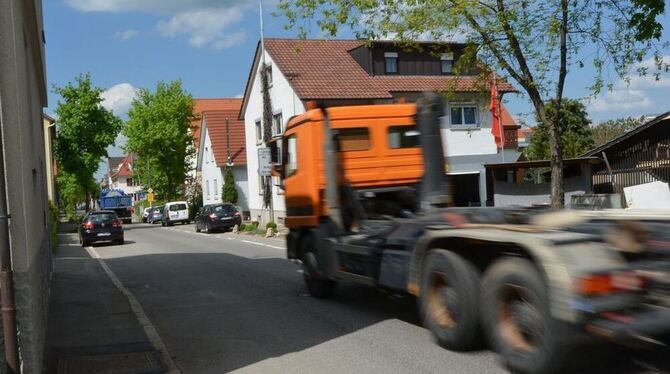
[351,72]
[222,144]
[120,176]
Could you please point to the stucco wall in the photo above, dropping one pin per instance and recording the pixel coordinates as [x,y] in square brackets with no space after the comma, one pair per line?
[22,97]
[284,100]
[210,172]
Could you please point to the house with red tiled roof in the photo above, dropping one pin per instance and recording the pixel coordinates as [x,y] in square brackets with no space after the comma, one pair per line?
[120,175]
[356,72]
[222,144]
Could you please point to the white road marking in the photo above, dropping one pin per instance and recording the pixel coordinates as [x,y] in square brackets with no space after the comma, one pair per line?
[263,244]
[149,328]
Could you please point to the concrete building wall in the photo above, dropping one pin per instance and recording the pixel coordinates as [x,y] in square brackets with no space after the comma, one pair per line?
[284,101]
[22,97]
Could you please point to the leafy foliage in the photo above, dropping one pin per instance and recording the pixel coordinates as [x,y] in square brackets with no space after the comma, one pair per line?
[158,133]
[533,43]
[85,130]
[608,130]
[71,193]
[229,190]
[574,130]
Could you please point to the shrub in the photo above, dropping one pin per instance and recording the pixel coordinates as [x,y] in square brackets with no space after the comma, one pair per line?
[53,225]
[271,225]
[250,227]
[242,227]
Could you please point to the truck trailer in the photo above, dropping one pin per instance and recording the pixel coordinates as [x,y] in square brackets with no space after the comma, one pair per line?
[367,200]
[119,202]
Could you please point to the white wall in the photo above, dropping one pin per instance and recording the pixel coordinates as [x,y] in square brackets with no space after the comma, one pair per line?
[211,172]
[284,100]
[460,140]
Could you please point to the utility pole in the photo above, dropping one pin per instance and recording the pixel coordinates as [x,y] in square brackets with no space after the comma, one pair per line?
[266,179]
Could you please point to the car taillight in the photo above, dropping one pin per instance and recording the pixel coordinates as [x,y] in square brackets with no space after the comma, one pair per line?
[600,284]
[117,223]
[88,225]
[237,214]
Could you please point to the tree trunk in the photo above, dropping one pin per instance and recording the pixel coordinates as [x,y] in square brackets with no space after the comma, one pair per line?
[87,195]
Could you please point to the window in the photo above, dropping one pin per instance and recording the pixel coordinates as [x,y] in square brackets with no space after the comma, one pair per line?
[129,182]
[177,207]
[403,137]
[292,155]
[261,185]
[464,115]
[277,124]
[207,188]
[259,132]
[391,62]
[216,187]
[447,63]
[206,155]
[354,139]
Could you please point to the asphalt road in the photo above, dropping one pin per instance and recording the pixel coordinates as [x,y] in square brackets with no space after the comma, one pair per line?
[226,302]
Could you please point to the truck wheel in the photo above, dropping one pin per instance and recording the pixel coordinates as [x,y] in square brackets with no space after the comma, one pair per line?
[318,287]
[516,317]
[449,300]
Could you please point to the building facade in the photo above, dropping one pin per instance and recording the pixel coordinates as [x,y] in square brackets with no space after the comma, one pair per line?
[351,72]
[49,126]
[120,176]
[222,145]
[23,95]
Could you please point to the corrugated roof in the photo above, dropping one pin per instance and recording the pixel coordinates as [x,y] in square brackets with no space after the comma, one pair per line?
[215,120]
[596,151]
[202,105]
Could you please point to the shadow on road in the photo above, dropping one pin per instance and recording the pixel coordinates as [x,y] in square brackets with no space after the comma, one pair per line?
[229,312]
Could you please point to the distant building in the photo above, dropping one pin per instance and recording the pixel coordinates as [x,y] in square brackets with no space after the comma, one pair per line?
[353,72]
[120,176]
[222,144]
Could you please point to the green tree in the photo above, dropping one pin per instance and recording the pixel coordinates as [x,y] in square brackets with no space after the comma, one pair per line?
[229,190]
[71,193]
[575,134]
[85,130]
[608,130]
[533,43]
[158,133]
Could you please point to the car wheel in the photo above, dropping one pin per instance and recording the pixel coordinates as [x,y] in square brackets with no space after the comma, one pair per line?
[84,243]
[449,300]
[517,320]
[120,241]
[197,228]
[317,286]
[206,230]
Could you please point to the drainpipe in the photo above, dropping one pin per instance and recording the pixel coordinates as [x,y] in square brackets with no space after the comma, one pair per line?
[7,278]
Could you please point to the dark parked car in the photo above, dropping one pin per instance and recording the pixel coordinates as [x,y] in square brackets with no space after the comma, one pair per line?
[101,226]
[217,217]
[156,215]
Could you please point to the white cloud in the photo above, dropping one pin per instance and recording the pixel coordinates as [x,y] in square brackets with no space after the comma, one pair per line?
[118,98]
[239,96]
[151,6]
[639,95]
[126,34]
[205,27]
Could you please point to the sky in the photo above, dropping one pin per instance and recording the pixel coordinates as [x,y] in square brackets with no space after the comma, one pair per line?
[209,45]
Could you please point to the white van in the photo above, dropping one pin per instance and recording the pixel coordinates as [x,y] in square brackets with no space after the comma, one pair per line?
[174,212]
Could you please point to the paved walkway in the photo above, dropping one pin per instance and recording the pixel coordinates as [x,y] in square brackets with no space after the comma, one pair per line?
[92,328]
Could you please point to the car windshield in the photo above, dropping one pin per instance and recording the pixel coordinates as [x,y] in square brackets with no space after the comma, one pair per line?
[176,207]
[158,210]
[101,217]
[223,209]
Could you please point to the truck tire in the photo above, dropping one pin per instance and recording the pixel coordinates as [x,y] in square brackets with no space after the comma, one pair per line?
[449,300]
[318,287]
[517,319]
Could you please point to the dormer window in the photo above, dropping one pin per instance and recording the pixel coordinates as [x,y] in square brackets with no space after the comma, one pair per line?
[447,63]
[391,62]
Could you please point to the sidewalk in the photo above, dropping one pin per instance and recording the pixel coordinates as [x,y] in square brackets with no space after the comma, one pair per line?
[92,328]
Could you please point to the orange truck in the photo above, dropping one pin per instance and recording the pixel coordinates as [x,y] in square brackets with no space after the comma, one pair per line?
[366,201]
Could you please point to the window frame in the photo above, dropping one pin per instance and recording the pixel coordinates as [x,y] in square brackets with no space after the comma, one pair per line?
[288,172]
[406,128]
[447,57]
[280,127]
[391,56]
[461,107]
[258,124]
